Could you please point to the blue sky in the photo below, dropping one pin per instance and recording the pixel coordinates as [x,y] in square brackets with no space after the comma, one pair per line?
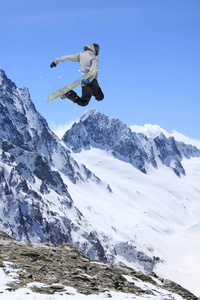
[149,57]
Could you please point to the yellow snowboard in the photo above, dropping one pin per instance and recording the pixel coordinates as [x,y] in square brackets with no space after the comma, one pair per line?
[72,85]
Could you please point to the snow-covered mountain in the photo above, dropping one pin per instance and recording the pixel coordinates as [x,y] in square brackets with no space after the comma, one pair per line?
[117,195]
[155,202]
[99,131]
[34,198]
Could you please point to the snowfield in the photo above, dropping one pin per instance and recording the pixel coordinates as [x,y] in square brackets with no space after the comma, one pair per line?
[157,212]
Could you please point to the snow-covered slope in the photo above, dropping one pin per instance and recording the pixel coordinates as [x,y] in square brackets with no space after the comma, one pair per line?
[117,195]
[155,212]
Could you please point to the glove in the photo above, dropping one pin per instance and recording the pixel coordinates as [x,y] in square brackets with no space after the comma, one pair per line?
[52,65]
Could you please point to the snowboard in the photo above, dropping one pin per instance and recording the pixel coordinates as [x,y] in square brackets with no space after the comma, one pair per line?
[72,85]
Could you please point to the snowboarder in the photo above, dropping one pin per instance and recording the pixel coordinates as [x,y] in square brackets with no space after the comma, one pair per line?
[88,60]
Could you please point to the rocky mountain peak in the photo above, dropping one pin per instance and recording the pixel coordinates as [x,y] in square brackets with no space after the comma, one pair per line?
[33,163]
[97,130]
[5,83]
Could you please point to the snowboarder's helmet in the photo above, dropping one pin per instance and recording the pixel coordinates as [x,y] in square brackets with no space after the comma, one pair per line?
[97,48]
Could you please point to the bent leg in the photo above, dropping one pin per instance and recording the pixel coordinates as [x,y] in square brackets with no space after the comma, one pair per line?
[96,90]
[89,90]
[86,96]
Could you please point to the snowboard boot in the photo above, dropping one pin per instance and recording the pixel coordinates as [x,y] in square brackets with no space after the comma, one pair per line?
[70,95]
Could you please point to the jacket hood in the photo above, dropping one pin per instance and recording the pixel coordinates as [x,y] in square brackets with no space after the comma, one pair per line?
[92,47]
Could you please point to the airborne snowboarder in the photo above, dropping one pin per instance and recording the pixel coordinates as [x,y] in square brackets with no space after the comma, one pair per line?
[88,60]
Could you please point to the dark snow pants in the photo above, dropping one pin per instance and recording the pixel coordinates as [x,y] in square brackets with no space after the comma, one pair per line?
[89,90]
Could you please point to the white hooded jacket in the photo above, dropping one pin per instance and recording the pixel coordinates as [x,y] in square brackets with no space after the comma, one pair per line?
[87,59]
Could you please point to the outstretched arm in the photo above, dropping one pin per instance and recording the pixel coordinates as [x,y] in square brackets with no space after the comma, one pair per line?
[73,57]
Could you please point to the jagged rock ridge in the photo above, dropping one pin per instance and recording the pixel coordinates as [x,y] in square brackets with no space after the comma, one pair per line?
[97,130]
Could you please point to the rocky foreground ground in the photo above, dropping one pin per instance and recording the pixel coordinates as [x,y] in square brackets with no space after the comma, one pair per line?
[58,267]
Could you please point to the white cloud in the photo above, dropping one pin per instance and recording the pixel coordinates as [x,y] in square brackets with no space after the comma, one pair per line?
[60,129]
[149,130]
